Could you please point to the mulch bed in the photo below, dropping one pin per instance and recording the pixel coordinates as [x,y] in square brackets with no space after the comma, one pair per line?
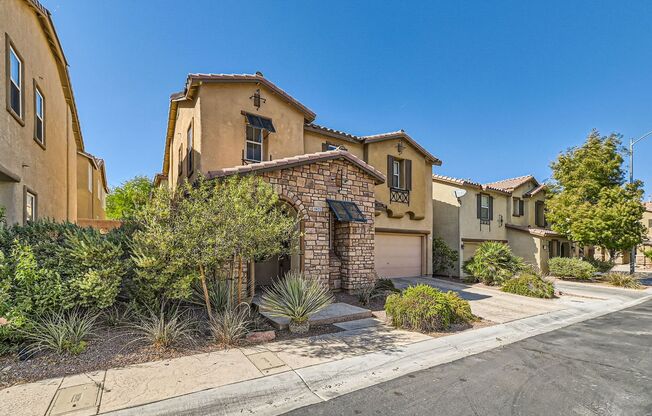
[116,347]
[376,303]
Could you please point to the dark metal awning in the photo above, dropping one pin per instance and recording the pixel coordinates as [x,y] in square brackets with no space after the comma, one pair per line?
[346,211]
[260,122]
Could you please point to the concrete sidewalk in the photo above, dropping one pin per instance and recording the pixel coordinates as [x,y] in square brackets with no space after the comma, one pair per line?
[280,376]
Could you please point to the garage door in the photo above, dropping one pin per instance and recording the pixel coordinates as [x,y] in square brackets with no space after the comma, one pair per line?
[398,255]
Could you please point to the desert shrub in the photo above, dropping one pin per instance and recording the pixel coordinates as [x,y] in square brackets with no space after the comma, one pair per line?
[622,280]
[365,293]
[119,314]
[296,297]
[444,258]
[648,254]
[426,309]
[219,293]
[162,328]
[385,285]
[574,268]
[231,324]
[493,263]
[531,285]
[63,332]
[600,266]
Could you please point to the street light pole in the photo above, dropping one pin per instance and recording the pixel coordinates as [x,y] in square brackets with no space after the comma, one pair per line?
[632,142]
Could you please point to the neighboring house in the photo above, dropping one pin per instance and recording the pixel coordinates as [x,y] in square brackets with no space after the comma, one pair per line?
[641,259]
[92,187]
[365,201]
[40,135]
[512,211]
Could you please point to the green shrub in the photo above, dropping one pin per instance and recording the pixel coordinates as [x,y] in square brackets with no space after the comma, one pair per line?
[231,324]
[623,280]
[444,258]
[601,266]
[574,268]
[648,254]
[531,285]
[493,263]
[296,297]
[61,332]
[163,328]
[385,285]
[426,309]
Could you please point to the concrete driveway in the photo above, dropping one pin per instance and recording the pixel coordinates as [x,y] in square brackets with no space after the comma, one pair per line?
[491,304]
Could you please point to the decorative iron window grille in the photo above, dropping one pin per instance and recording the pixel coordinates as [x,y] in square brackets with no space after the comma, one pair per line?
[399,195]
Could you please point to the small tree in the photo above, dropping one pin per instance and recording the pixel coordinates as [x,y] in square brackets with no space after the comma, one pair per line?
[590,202]
[444,258]
[123,201]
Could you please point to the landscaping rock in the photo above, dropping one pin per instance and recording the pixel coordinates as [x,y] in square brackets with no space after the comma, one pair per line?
[261,336]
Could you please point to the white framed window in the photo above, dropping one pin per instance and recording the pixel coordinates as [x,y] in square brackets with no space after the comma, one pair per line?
[485,201]
[99,190]
[90,178]
[15,82]
[191,142]
[396,174]
[518,207]
[39,116]
[180,162]
[30,206]
[254,144]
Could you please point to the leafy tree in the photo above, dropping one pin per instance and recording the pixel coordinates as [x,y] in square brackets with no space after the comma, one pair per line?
[590,202]
[123,201]
[207,229]
[444,258]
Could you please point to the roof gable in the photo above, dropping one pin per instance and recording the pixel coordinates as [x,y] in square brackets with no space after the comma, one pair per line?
[512,183]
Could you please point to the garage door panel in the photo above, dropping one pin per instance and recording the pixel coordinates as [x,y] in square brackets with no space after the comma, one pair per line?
[398,255]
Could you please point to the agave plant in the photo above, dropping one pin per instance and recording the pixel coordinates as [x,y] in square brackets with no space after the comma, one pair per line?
[164,328]
[231,324]
[296,297]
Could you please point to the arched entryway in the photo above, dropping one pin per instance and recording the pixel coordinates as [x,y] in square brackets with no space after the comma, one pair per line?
[266,271]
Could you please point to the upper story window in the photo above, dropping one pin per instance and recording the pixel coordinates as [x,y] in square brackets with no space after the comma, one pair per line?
[540,214]
[485,207]
[254,144]
[399,173]
[14,82]
[30,206]
[39,116]
[396,174]
[190,146]
[518,207]
[180,162]
[90,178]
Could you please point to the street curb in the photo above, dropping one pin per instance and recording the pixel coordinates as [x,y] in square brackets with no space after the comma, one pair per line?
[272,395]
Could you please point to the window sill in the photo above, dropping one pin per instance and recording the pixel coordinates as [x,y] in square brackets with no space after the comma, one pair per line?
[39,143]
[16,116]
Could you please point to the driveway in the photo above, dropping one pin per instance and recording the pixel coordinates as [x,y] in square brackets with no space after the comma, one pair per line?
[601,366]
[494,305]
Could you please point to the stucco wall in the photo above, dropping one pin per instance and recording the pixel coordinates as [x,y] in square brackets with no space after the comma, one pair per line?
[49,172]
[529,247]
[446,218]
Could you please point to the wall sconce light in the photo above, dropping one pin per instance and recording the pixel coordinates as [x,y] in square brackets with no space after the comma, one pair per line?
[400,146]
[500,220]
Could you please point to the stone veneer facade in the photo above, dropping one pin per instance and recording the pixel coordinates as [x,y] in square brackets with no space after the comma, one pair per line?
[306,188]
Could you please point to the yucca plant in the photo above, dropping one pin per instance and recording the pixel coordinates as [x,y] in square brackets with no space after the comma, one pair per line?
[296,297]
[231,324]
[61,332]
[163,328]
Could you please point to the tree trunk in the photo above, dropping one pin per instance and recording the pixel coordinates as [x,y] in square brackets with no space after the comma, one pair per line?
[252,278]
[207,299]
[239,280]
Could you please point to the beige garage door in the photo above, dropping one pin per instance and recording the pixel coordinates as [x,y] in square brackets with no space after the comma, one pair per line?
[398,255]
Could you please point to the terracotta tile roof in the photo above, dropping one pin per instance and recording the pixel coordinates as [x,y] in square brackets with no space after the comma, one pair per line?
[99,165]
[400,134]
[539,232]
[467,182]
[535,191]
[290,162]
[512,183]
[332,132]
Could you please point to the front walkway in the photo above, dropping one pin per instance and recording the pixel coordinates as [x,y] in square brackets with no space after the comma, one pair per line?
[276,377]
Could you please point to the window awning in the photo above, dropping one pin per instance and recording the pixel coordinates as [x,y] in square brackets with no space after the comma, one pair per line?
[260,122]
[346,211]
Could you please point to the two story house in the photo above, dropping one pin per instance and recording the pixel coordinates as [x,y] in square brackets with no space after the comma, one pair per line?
[512,211]
[365,201]
[40,135]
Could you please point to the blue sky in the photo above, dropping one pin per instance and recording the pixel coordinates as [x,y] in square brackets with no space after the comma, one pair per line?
[475,82]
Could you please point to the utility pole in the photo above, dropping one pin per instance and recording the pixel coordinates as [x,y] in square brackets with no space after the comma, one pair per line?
[632,142]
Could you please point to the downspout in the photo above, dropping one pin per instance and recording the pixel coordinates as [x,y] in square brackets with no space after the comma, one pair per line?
[68,164]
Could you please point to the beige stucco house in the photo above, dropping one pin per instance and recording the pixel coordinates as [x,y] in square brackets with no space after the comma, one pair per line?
[92,187]
[641,259]
[512,211]
[40,135]
[365,201]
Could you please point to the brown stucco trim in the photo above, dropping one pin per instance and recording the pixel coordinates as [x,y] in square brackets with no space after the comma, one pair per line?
[300,160]
[20,118]
[62,65]
[481,240]
[36,87]
[36,203]
[8,175]
[400,231]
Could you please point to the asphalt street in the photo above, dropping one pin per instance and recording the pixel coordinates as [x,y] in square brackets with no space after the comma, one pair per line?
[601,366]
